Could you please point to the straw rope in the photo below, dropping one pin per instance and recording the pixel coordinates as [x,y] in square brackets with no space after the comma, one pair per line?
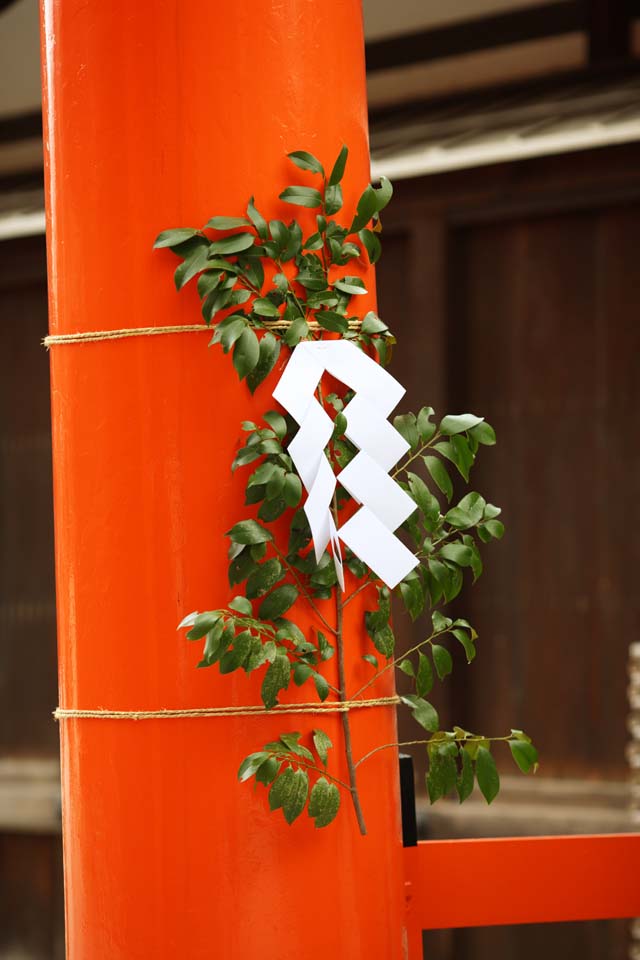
[249,711]
[92,336]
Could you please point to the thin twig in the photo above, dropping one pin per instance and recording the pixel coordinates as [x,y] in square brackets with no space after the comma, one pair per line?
[396,661]
[342,683]
[363,586]
[414,456]
[293,758]
[414,743]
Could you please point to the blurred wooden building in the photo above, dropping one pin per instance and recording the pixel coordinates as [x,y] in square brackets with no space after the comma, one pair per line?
[511,131]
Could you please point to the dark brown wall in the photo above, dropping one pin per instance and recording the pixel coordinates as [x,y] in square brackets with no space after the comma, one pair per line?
[514,291]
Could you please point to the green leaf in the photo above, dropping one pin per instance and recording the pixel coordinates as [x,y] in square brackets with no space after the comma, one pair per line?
[296,797]
[257,220]
[467,643]
[384,640]
[267,772]
[487,774]
[321,685]
[292,490]
[240,567]
[422,712]
[324,802]
[289,792]
[442,660]
[325,648]
[407,667]
[275,679]
[491,529]
[226,223]
[246,352]
[277,423]
[464,783]
[424,676]
[524,754]
[383,194]
[265,308]
[208,282]
[194,262]
[440,622]
[333,199]
[229,331]
[468,512]
[484,433]
[370,658]
[278,602]
[249,531]
[337,171]
[443,772]
[373,324]
[423,497]
[298,329]
[280,788]
[473,504]
[292,742]
[234,244]
[353,285]
[439,475]
[302,196]
[216,263]
[458,553]
[371,244]
[269,351]
[241,605]
[322,743]
[250,765]
[233,659]
[203,623]
[458,424]
[413,597]
[367,207]
[301,673]
[263,578]
[405,424]
[306,161]
[332,321]
[172,238]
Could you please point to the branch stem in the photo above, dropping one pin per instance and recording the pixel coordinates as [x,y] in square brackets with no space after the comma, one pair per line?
[414,743]
[342,693]
[299,762]
[414,456]
[396,661]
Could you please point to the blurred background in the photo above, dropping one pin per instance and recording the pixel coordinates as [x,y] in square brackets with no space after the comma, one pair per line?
[511,131]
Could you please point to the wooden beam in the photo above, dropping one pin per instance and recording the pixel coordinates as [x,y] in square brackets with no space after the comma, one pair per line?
[524,880]
[532,23]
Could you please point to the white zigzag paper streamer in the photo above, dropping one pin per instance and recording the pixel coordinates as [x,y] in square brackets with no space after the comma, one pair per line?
[384,505]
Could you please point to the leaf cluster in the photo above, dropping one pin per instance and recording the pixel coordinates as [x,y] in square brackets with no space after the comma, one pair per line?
[458,758]
[268,280]
[296,777]
[262,283]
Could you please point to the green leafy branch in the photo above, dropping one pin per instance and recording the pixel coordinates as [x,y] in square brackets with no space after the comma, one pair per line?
[306,292]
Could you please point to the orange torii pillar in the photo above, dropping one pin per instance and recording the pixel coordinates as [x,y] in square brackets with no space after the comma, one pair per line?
[160,115]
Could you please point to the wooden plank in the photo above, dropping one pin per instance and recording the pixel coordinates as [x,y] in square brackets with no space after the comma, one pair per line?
[528,880]
[479,33]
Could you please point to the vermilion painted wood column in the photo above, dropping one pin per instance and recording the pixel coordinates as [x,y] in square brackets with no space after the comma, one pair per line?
[159,115]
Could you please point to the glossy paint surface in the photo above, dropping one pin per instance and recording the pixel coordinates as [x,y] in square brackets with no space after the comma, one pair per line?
[161,115]
[521,880]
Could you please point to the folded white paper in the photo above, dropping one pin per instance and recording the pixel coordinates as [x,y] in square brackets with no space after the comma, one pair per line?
[370,532]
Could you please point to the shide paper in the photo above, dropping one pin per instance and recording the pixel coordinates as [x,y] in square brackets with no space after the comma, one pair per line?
[384,505]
